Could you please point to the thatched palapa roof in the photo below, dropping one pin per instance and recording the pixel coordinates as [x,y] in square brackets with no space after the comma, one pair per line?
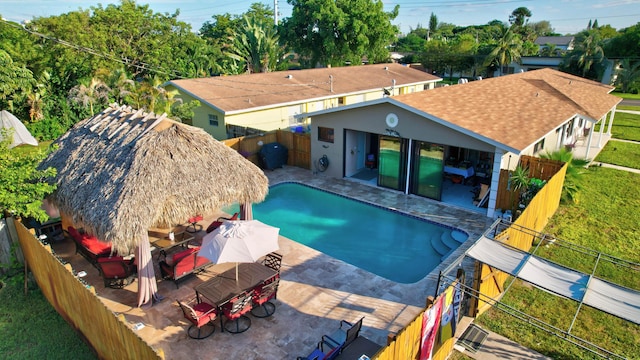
[122,172]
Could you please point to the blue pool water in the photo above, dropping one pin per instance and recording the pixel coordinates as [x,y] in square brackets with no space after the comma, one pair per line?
[398,247]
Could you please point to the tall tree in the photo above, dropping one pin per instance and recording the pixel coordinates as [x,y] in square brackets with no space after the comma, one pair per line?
[256,46]
[506,50]
[334,32]
[15,80]
[628,75]
[433,25]
[89,93]
[588,52]
[21,188]
[520,16]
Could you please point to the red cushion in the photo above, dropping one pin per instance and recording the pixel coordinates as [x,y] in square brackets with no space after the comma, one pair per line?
[216,224]
[195,219]
[95,246]
[182,254]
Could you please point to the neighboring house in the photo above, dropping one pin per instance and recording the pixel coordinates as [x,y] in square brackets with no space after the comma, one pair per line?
[475,128]
[526,63]
[562,43]
[239,105]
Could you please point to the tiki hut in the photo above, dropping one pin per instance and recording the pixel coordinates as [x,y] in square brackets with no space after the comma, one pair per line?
[122,172]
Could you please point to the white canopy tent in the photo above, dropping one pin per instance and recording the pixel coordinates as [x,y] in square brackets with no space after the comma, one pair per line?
[544,274]
[20,133]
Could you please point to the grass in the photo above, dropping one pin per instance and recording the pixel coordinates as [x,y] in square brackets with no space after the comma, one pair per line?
[30,328]
[620,153]
[625,126]
[605,219]
[626,96]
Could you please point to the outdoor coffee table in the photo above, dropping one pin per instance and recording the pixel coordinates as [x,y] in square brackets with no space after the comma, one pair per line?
[223,287]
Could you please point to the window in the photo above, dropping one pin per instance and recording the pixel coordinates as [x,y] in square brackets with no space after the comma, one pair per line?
[538,147]
[325,134]
[213,120]
[570,128]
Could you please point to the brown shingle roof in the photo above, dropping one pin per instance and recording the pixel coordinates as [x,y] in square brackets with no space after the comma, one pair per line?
[243,92]
[515,110]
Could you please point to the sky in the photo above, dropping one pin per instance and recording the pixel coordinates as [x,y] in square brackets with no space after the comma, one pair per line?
[565,16]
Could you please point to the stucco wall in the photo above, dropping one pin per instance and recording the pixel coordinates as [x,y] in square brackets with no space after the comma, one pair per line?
[372,119]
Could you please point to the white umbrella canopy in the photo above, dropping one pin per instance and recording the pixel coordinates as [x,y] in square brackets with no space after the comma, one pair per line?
[239,241]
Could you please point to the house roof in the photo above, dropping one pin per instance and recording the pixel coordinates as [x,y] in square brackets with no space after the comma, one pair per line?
[122,172]
[556,40]
[245,92]
[515,110]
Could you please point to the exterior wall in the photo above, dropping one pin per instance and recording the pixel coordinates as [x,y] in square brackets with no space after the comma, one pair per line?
[371,119]
[281,116]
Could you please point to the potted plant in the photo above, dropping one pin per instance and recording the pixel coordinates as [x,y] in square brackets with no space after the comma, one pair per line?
[518,183]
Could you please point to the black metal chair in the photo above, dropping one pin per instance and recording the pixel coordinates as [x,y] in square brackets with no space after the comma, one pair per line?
[263,293]
[343,336]
[234,311]
[200,315]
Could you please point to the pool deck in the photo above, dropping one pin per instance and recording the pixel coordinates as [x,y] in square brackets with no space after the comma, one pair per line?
[316,291]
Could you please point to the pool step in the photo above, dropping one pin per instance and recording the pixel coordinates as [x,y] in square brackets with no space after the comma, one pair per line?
[459,236]
[449,240]
[439,245]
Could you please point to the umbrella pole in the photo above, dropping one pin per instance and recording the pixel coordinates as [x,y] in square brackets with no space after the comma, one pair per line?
[236,273]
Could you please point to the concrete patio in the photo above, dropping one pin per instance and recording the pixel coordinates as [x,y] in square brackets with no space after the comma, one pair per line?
[316,290]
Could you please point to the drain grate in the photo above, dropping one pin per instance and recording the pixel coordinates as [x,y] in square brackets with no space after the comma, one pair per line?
[473,338]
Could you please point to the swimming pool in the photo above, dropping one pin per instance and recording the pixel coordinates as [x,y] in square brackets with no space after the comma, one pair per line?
[390,244]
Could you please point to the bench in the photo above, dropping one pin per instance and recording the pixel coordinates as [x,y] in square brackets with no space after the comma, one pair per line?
[89,246]
[182,263]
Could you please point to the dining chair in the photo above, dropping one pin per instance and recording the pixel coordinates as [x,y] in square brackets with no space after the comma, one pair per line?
[273,260]
[262,295]
[234,311]
[200,315]
[343,336]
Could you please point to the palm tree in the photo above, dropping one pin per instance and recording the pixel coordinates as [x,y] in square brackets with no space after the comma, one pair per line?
[550,50]
[119,83]
[88,94]
[256,45]
[589,52]
[35,99]
[507,50]
[575,169]
[627,74]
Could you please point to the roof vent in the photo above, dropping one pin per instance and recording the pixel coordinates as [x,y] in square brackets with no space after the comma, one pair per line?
[289,76]
[386,68]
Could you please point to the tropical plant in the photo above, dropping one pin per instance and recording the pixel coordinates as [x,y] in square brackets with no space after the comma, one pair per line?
[588,52]
[256,46]
[14,80]
[35,98]
[89,93]
[575,169]
[518,183]
[507,50]
[22,188]
[628,75]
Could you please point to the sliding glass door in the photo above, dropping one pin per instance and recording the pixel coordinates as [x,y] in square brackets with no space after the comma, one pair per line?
[426,176]
[392,167]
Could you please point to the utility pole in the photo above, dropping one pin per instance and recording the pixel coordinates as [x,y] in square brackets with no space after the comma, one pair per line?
[275,11]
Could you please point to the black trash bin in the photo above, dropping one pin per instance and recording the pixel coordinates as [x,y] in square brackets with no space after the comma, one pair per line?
[273,155]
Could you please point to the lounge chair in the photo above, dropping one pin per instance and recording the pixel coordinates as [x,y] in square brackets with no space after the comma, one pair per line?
[216,224]
[343,336]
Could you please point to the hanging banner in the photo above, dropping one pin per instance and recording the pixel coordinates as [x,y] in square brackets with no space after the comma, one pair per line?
[430,325]
[447,324]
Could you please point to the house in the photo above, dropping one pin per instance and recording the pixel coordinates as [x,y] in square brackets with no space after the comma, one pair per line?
[561,45]
[240,105]
[471,129]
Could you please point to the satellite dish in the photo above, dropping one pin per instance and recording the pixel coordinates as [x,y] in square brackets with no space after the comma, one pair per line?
[392,120]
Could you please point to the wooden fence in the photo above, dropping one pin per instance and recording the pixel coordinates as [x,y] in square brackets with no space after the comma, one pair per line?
[543,169]
[406,344]
[107,333]
[489,281]
[298,145]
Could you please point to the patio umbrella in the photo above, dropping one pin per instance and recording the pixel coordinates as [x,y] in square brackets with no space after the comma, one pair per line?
[239,241]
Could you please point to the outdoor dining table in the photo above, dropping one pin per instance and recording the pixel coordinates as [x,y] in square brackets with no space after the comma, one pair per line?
[223,287]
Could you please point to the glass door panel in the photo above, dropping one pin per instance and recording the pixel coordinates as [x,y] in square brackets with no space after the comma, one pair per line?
[426,178]
[391,163]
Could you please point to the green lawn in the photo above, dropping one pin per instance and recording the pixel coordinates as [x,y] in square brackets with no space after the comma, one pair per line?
[625,126]
[620,153]
[30,328]
[605,219]
[626,96]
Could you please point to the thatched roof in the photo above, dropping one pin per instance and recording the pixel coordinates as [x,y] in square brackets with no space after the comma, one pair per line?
[122,172]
